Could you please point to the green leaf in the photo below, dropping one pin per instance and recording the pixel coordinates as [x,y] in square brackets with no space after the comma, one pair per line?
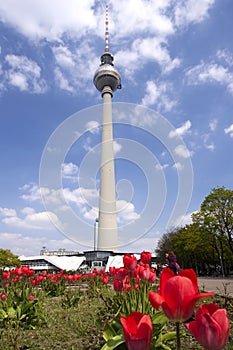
[114,342]
[11,312]
[168,336]
[108,332]
[159,318]
[3,314]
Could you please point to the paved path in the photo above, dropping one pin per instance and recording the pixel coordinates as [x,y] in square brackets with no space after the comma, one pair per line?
[216,285]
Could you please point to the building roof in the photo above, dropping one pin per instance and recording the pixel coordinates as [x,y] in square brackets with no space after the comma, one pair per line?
[117,261]
[68,263]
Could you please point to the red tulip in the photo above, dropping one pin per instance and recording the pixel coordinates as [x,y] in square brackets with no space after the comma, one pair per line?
[31,297]
[76,277]
[39,278]
[146,257]
[152,276]
[105,280]
[178,294]
[112,270]
[120,273]
[137,329]
[127,287]
[211,327]
[118,285]
[3,296]
[130,261]
[144,272]
[6,275]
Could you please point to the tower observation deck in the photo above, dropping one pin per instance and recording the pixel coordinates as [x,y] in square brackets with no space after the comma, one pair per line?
[107,80]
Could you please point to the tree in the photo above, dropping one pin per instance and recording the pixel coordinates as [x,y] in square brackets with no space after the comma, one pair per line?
[216,217]
[8,259]
[193,250]
[165,244]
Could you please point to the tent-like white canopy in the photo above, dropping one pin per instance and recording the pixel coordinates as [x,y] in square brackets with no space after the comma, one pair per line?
[46,262]
[117,261]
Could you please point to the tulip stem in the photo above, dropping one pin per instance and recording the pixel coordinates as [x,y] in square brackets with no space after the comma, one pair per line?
[178,335]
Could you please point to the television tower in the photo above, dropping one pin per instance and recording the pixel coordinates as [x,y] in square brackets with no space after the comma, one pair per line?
[107,80]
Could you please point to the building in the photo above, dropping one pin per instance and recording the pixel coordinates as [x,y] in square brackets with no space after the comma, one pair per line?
[53,263]
[59,252]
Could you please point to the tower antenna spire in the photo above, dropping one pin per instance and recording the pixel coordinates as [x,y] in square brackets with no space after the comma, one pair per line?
[106,30]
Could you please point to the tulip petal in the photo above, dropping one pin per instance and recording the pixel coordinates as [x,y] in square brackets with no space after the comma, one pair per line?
[155,299]
[210,333]
[165,276]
[190,274]
[192,327]
[178,294]
[220,316]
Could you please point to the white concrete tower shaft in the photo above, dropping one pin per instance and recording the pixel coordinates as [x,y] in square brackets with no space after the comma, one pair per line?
[107,80]
[107,227]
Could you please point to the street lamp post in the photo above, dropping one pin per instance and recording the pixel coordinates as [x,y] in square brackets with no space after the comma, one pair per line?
[95,231]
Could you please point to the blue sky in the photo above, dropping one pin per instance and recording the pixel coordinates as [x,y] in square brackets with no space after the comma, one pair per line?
[173,122]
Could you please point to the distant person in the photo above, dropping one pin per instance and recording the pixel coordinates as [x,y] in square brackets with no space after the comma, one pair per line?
[171,261]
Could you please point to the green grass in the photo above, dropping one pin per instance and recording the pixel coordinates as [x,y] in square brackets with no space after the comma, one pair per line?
[72,324]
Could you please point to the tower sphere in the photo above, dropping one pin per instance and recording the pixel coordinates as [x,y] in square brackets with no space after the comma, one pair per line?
[107,74]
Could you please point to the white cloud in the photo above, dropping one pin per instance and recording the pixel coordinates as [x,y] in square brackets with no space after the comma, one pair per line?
[226,56]
[117,147]
[93,126]
[31,220]
[27,211]
[144,50]
[160,95]
[81,196]
[70,171]
[38,19]
[143,29]
[126,211]
[182,151]
[21,244]
[183,220]
[160,167]
[64,57]
[210,146]
[24,74]
[84,201]
[210,73]
[146,243]
[213,124]
[191,11]
[229,130]
[181,131]
[7,212]
[62,81]
[178,166]
[50,20]
[75,67]
[152,93]
[87,144]
[141,16]
[32,192]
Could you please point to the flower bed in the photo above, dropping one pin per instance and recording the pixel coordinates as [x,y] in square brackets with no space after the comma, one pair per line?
[129,308]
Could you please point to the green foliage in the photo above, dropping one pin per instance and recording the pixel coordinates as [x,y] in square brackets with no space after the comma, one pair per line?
[71,298]
[206,245]
[54,288]
[114,337]
[8,259]
[18,311]
[75,328]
